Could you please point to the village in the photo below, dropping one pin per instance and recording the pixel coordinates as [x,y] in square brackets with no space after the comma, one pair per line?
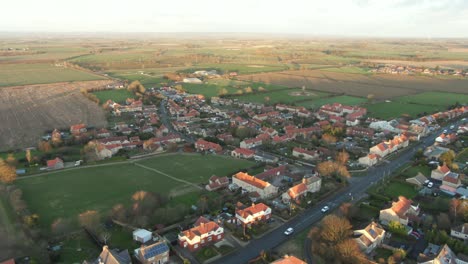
[303,156]
[415,70]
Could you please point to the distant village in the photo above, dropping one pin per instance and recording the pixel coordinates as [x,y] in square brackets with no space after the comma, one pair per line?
[414,70]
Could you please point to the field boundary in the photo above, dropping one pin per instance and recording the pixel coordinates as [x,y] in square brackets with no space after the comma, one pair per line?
[167,175]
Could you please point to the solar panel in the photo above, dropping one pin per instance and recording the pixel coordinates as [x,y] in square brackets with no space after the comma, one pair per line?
[156,250]
[372,232]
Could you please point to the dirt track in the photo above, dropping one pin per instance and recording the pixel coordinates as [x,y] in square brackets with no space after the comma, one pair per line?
[26,112]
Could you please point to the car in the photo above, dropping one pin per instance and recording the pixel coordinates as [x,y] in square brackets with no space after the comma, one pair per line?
[430,184]
[426,182]
[289,231]
[325,209]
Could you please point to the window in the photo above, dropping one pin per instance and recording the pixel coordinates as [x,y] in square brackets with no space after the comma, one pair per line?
[210,238]
[203,241]
[196,246]
[219,236]
[185,244]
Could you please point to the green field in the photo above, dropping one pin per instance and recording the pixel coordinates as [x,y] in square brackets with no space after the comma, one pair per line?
[397,109]
[348,69]
[342,99]
[434,98]
[118,96]
[213,89]
[240,68]
[23,74]
[69,193]
[395,189]
[280,96]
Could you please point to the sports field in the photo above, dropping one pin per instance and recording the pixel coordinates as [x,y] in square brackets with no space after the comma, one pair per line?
[67,193]
[285,96]
[342,99]
[40,73]
[118,96]
[396,109]
[435,98]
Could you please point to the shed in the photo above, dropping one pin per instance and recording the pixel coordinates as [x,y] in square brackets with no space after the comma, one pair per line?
[142,235]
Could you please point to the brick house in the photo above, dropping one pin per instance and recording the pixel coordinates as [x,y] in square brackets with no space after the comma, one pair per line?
[440,172]
[203,145]
[55,164]
[243,153]
[78,129]
[156,253]
[253,214]
[253,184]
[203,233]
[305,154]
[401,211]
[216,183]
[308,184]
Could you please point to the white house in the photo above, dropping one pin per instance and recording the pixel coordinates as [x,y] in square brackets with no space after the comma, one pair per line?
[142,235]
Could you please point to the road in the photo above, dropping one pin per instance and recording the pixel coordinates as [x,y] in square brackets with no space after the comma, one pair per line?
[357,187]
[167,122]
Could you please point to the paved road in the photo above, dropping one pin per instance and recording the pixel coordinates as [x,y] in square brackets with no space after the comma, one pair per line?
[357,188]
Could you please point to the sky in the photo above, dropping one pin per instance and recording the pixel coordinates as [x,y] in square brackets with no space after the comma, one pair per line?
[359,18]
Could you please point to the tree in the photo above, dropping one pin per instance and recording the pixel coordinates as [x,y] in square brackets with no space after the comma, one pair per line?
[136,87]
[397,228]
[453,209]
[11,160]
[370,97]
[329,139]
[222,91]
[61,226]
[44,146]
[105,236]
[342,157]
[443,221]
[448,157]
[248,90]
[333,169]
[261,89]
[266,99]
[28,156]
[7,172]
[90,219]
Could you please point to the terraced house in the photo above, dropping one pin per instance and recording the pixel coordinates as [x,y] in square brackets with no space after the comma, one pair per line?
[253,184]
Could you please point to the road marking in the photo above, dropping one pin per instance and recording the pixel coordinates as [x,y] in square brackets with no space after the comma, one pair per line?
[167,175]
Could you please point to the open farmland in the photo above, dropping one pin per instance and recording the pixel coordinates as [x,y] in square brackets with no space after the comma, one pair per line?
[382,86]
[285,96]
[435,98]
[342,99]
[396,109]
[67,193]
[26,112]
[23,74]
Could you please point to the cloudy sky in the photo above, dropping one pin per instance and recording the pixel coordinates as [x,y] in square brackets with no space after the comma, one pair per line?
[379,18]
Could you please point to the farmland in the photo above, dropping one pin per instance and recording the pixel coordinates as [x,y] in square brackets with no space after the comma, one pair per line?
[397,109]
[23,74]
[435,98]
[286,96]
[68,193]
[342,99]
[28,111]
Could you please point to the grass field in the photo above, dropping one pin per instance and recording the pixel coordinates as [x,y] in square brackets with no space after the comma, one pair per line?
[348,69]
[68,193]
[281,96]
[118,96]
[241,68]
[342,99]
[395,189]
[397,109]
[213,88]
[434,98]
[23,74]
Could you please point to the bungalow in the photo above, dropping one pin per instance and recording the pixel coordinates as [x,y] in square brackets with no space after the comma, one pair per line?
[305,154]
[309,184]
[370,237]
[243,153]
[216,183]
[78,129]
[155,253]
[288,260]
[252,184]
[460,231]
[55,164]
[203,233]
[253,214]
[369,160]
[417,180]
[401,211]
[203,145]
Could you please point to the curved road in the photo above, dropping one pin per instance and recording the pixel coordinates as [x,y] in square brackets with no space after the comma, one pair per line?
[357,187]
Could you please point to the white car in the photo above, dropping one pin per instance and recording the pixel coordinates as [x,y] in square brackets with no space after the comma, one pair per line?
[426,182]
[430,184]
[325,209]
[289,231]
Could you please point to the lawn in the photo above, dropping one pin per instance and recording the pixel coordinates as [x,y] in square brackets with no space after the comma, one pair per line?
[435,98]
[78,248]
[68,193]
[413,171]
[342,99]
[23,74]
[119,95]
[205,254]
[397,109]
[395,189]
[462,156]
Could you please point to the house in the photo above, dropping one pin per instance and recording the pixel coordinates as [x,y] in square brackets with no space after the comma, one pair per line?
[381,149]
[103,133]
[359,132]
[252,184]
[440,172]
[369,160]
[142,235]
[445,139]
[401,211]
[102,152]
[288,260]
[156,253]
[216,183]
[192,80]
[253,214]
[203,145]
[460,231]
[452,180]
[434,152]
[78,129]
[55,164]
[370,237]
[305,154]
[8,261]
[112,256]
[308,184]
[243,153]
[204,233]
[417,180]
[435,254]
[251,143]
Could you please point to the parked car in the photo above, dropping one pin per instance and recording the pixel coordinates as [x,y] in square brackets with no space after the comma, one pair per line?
[289,231]
[325,209]
[430,184]
[426,182]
